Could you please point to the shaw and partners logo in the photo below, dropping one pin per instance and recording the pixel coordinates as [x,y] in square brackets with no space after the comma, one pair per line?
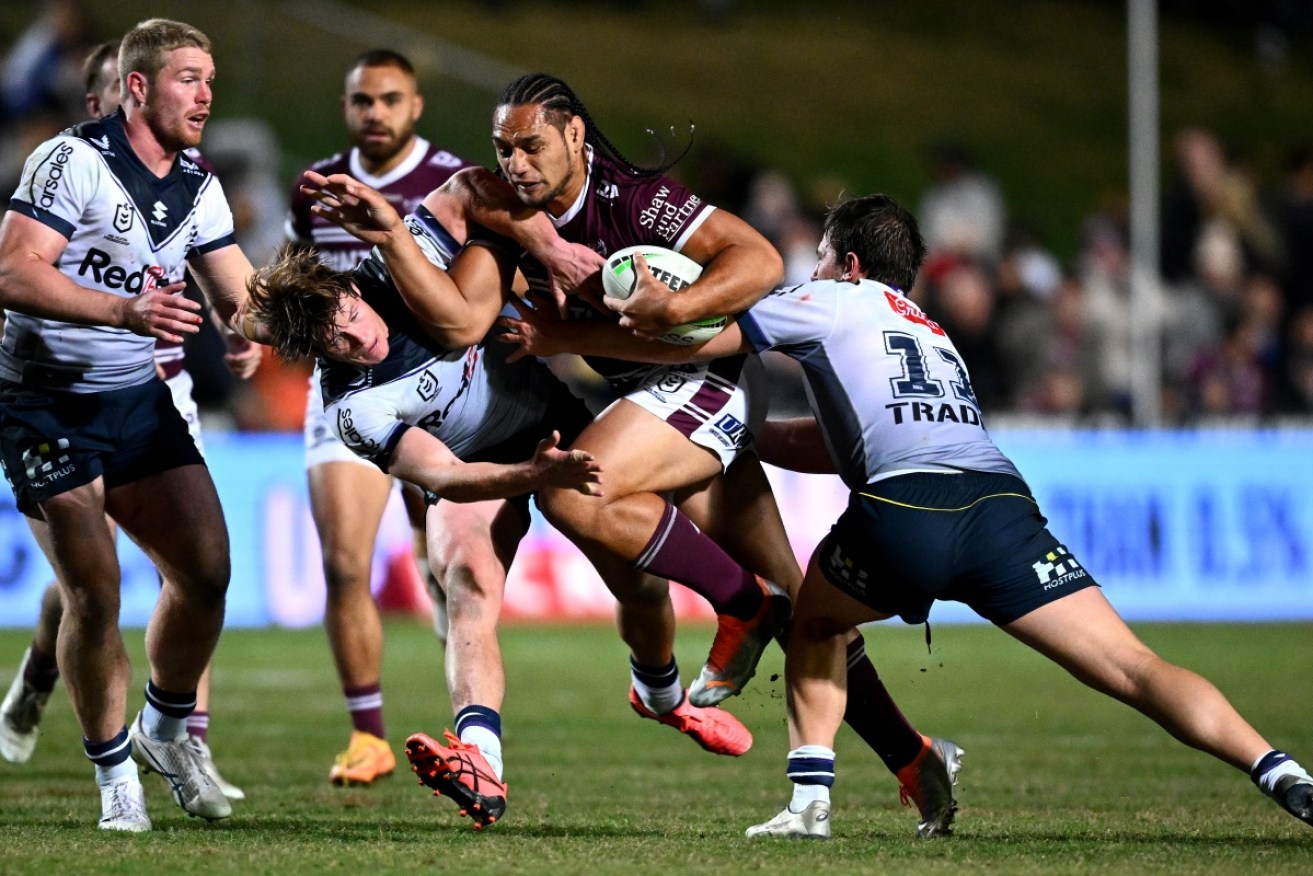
[1057,568]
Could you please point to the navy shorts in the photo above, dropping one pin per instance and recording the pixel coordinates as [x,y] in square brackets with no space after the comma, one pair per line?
[972,537]
[53,442]
[565,414]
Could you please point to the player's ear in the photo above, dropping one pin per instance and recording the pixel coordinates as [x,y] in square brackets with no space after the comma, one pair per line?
[852,268]
[574,132]
[417,108]
[137,84]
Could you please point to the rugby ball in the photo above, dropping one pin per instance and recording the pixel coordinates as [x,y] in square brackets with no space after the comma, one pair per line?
[671,268]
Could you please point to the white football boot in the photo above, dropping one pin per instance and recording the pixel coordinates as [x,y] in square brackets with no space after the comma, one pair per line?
[20,717]
[813,822]
[180,764]
[123,806]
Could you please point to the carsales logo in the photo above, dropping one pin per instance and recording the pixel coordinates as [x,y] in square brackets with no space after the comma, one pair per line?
[58,162]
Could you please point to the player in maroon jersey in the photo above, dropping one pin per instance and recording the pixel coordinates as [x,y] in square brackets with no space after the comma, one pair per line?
[381,104]
[21,712]
[683,431]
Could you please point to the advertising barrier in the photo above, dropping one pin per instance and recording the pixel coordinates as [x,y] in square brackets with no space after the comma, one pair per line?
[1213,525]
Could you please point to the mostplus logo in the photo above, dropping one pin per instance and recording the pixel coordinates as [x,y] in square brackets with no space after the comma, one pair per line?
[1057,568]
[843,570]
[41,460]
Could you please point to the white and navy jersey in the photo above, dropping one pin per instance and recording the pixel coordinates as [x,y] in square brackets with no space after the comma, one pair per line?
[888,388]
[128,231]
[405,187]
[469,398]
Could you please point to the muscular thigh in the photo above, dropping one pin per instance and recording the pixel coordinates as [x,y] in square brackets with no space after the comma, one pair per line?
[475,533]
[641,453]
[176,518]
[52,442]
[347,501]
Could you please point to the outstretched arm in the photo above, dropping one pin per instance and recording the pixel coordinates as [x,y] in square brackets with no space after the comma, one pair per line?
[476,195]
[421,459]
[455,307]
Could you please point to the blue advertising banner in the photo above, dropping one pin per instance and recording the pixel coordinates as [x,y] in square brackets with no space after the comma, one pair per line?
[1214,525]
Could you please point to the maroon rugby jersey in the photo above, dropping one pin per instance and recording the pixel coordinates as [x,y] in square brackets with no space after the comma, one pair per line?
[617,209]
[405,187]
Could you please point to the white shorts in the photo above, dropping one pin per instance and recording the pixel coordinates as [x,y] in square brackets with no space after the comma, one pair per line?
[321,442]
[718,405]
[180,385]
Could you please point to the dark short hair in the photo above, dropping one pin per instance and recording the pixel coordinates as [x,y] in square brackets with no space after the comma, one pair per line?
[95,63]
[882,234]
[384,58]
[296,299]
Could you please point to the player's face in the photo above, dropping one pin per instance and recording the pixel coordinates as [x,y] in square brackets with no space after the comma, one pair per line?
[544,163]
[829,266]
[104,101]
[177,102]
[381,105]
[360,335]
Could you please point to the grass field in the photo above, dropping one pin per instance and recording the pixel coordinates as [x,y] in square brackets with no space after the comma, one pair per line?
[1057,780]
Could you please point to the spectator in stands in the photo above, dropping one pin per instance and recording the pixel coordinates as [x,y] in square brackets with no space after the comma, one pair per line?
[963,211]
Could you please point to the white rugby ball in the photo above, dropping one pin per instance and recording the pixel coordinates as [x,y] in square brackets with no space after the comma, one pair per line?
[671,268]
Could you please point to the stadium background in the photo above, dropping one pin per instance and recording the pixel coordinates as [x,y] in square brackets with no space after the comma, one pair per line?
[1209,523]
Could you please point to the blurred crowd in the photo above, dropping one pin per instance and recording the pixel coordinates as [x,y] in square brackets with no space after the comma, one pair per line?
[1051,339]
[1043,337]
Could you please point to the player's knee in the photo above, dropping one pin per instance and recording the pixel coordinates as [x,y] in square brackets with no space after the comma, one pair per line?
[346,571]
[569,510]
[469,577]
[807,627]
[204,582]
[91,607]
[645,590]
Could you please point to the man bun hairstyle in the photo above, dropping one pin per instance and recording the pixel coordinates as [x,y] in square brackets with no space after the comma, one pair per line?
[882,234]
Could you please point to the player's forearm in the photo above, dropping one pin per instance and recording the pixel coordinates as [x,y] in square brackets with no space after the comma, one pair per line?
[37,289]
[471,481]
[795,444]
[488,200]
[428,291]
[737,278]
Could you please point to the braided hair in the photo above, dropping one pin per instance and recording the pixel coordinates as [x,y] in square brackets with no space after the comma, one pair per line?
[560,103]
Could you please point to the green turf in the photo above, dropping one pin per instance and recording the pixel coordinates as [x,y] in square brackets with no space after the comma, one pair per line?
[1057,780]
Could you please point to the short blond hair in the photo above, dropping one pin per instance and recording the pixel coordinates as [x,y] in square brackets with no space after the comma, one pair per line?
[296,299]
[145,48]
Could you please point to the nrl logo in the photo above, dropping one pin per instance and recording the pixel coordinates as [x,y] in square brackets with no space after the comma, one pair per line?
[123,218]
